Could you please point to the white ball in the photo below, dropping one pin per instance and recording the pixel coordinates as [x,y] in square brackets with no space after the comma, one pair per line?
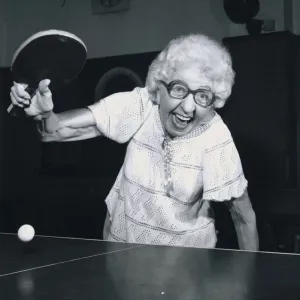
[26,233]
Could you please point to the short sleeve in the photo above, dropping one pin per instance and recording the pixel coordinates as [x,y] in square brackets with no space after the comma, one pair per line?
[223,176]
[120,115]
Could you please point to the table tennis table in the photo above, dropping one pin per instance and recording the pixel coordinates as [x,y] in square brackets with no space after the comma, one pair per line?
[59,268]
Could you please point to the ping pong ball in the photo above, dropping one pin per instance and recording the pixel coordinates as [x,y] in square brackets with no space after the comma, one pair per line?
[26,233]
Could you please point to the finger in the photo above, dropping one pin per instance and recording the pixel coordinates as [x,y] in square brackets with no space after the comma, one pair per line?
[44,86]
[14,101]
[20,90]
[18,99]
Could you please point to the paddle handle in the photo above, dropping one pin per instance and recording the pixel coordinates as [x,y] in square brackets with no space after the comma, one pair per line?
[17,111]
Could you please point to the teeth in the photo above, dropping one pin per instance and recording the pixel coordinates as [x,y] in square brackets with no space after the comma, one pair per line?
[182,118]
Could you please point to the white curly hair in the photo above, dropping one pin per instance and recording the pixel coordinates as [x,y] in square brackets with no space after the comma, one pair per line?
[204,53]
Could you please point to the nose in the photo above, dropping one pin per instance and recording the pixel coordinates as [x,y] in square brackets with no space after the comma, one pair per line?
[188,104]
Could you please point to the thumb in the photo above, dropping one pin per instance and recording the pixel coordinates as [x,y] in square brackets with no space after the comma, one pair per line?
[44,86]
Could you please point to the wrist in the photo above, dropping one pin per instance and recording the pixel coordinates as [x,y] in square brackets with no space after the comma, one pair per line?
[47,114]
[43,116]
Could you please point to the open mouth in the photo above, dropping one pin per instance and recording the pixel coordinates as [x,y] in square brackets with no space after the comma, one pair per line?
[180,121]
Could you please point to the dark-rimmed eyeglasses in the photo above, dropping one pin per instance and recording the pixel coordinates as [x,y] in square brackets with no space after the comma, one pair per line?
[178,89]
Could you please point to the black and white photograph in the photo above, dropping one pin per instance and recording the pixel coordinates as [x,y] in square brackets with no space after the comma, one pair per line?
[150,149]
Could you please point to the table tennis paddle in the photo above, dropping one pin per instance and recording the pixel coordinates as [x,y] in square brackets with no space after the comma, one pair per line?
[52,54]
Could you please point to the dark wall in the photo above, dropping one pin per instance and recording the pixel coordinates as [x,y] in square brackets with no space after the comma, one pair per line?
[1,137]
[60,188]
[296,106]
[260,111]
[262,116]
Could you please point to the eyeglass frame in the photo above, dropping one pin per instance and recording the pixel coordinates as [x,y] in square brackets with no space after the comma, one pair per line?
[169,86]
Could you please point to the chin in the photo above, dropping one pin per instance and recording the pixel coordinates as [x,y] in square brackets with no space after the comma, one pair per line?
[176,133]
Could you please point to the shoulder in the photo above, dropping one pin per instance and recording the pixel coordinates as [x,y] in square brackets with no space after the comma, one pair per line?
[138,94]
[142,92]
[136,101]
[218,134]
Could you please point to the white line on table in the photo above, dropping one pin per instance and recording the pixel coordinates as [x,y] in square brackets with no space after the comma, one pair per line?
[215,249]
[67,261]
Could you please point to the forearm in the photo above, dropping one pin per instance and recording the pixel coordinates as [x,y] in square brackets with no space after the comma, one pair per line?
[77,118]
[69,125]
[247,235]
[244,220]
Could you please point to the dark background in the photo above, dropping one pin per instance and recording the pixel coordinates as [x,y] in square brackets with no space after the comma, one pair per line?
[60,188]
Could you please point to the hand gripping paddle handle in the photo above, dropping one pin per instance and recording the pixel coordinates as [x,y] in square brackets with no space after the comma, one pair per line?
[17,111]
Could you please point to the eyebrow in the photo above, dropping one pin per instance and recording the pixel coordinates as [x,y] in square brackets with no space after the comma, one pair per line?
[205,87]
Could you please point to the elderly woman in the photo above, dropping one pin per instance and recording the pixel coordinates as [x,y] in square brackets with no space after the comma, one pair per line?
[180,155]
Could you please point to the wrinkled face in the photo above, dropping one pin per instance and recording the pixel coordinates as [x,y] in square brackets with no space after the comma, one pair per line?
[181,116]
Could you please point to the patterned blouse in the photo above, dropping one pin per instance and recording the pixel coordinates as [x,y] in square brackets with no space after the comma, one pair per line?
[163,191]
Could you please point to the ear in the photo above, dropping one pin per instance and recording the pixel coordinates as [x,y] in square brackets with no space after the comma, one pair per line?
[158,96]
[219,103]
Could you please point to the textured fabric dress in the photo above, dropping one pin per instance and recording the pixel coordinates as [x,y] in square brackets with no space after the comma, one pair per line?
[163,191]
